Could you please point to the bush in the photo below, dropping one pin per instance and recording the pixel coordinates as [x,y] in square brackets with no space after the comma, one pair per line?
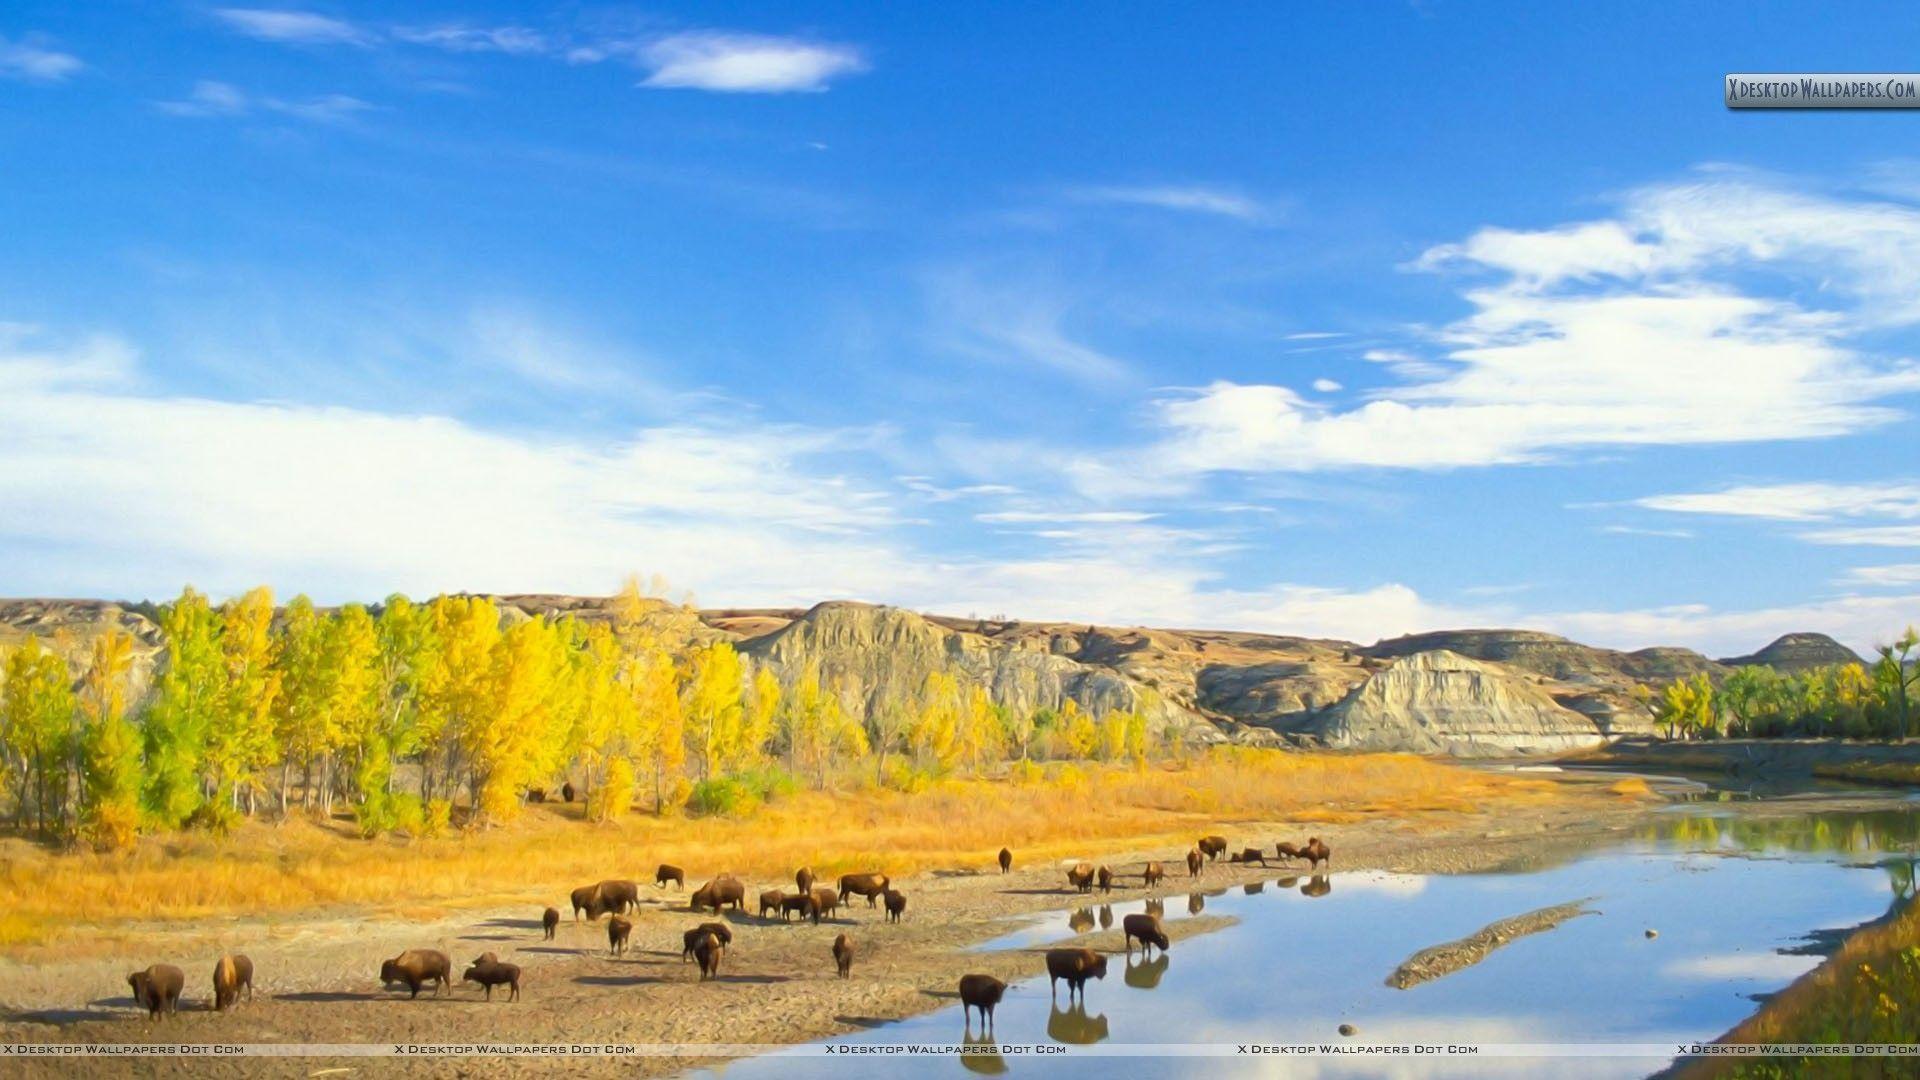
[904,776]
[722,796]
[439,818]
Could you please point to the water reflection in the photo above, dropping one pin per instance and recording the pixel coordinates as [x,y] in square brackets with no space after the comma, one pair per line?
[1106,916]
[1147,974]
[1287,882]
[1196,903]
[1081,920]
[986,1059]
[1074,1026]
[1319,885]
[1155,906]
[1254,888]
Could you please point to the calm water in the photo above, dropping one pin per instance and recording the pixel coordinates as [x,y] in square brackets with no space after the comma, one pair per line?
[1738,905]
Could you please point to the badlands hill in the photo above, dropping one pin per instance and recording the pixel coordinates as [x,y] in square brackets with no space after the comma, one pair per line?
[1480,692]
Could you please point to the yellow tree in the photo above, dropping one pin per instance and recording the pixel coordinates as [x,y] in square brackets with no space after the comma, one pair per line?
[506,743]
[240,743]
[714,709]
[353,702]
[109,747]
[300,711]
[1077,730]
[935,734]
[35,726]
[982,734]
[763,715]
[189,696]
[457,689]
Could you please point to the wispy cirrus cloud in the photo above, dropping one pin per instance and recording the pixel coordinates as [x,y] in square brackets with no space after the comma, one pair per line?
[465,38]
[1898,499]
[211,97]
[33,59]
[291,27]
[745,63]
[1183,198]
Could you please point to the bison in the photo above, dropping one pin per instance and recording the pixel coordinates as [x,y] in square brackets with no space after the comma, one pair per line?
[1148,929]
[229,975]
[843,955]
[1316,853]
[1105,877]
[1006,860]
[722,891]
[717,930]
[1213,847]
[981,992]
[870,886]
[496,973]
[538,795]
[896,904]
[566,792]
[803,879]
[825,902]
[1194,861]
[1249,856]
[708,951]
[550,921]
[1080,876]
[157,989]
[1076,966]
[803,905]
[618,930]
[668,872]
[1287,852]
[770,902]
[1152,874]
[618,896]
[416,968]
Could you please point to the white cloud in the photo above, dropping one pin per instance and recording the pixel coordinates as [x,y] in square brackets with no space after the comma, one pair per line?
[1633,332]
[1860,622]
[213,98]
[1090,517]
[746,63]
[1326,386]
[1866,536]
[293,27]
[1798,502]
[1193,198]
[1016,323]
[31,60]
[1771,966]
[1634,530]
[513,40]
[1895,575]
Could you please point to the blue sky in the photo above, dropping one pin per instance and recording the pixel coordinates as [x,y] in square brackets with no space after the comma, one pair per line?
[1349,322]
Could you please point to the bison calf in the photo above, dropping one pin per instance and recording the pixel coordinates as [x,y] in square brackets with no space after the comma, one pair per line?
[157,989]
[981,992]
[550,921]
[416,968]
[668,873]
[843,955]
[495,974]
[618,930]
[1194,861]
[1076,966]
[896,904]
[229,975]
[1147,928]
[1006,860]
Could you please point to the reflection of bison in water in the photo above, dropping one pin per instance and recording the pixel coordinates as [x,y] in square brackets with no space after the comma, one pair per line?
[708,951]
[1075,1027]
[618,930]
[1196,903]
[1080,876]
[157,989]
[229,975]
[1147,974]
[1006,860]
[1318,885]
[1152,874]
[896,904]
[1148,930]
[416,968]
[550,921]
[1080,920]
[843,955]
[1076,966]
[1212,847]
[669,872]
[1250,855]
[1194,861]
[718,930]
[871,886]
[722,891]
[494,973]
[981,992]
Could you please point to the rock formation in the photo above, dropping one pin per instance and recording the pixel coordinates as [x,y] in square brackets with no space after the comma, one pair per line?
[1793,653]
[1443,703]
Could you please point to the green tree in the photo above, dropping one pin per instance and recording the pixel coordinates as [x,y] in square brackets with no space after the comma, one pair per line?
[1896,673]
[36,725]
[109,747]
[189,696]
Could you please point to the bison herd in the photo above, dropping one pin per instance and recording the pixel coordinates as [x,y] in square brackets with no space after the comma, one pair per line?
[157,989]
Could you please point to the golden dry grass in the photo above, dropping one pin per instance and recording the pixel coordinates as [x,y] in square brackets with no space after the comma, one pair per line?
[1044,815]
[1631,787]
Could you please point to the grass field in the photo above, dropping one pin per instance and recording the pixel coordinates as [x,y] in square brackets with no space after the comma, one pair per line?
[1043,814]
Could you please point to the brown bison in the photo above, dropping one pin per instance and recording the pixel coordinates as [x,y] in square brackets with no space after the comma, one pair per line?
[566,792]
[1006,860]
[1287,852]
[825,902]
[1194,861]
[618,930]
[1250,855]
[550,921]
[668,873]
[157,989]
[803,905]
[229,975]
[1148,929]
[1213,847]
[1080,876]
[870,886]
[981,992]
[770,902]
[722,891]
[1316,853]
[1076,966]
[487,958]
[619,896]
[1105,878]
[538,795]
[843,955]
[719,931]
[496,973]
[803,880]
[896,904]
[708,951]
[416,968]
[1152,874]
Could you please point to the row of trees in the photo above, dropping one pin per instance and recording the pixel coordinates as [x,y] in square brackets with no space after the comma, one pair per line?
[418,711]
[1852,701]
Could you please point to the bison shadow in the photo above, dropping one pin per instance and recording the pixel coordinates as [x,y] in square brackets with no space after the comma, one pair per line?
[617,980]
[757,980]
[868,1022]
[556,950]
[514,924]
[490,937]
[338,995]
